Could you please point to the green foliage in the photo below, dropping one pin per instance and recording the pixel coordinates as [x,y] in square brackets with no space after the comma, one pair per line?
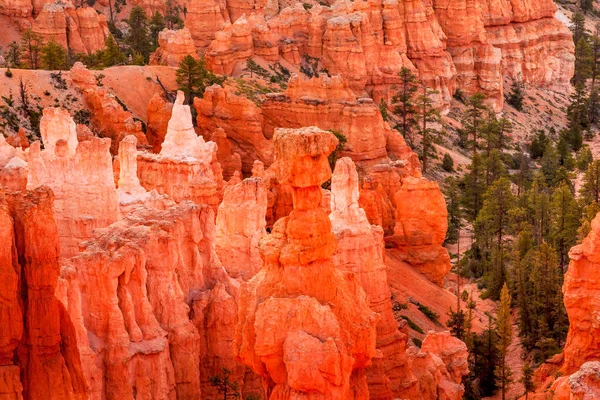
[138,37]
[538,144]
[58,81]
[452,194]
[457,322]
[403,105]
[224,385]
[577,26]
[156,25]
[307,6]
[31,44]
[193,78]
[586,5]
[516,96]
[172,15]
[429,313]
[417,342]
[13,55]
[112,54]
[504,329]
[527,379]
[333,157]
[8,73]
[412,325]
[53,56]
[254,68]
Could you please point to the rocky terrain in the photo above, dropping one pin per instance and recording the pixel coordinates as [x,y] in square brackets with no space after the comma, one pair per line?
[155,249]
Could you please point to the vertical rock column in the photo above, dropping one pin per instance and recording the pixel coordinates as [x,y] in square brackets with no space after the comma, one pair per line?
[361,251]
[304,325]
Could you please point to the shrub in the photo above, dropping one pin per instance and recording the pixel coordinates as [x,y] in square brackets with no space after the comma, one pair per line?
[8,73]
[412,325]
[447,163]
[429,313]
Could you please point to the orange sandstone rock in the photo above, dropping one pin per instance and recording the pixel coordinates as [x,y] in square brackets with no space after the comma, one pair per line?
[298,327]
[173,47]
[159,114]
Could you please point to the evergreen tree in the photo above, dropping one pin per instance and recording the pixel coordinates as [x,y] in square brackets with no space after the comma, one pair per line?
[550,163]
[516,96]
[448,163]
[492,226]
[590,190]
[473,188]
[586,5]
[138,37]
[112,53]
[539,208]
[577,26]
[193,77]
[224,385]
[172,15]
[13,55]
[427,114]
[452,193]
[527,379]
[504,326]
[157,24]
[403,105]
[31,43]
[538,144]
[584,158]
[473,118]
[583,61]
[53,56]
[565,222]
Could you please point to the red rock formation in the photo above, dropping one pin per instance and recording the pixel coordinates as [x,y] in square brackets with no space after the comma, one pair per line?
[230,161]
[79,174]
[361,251]
[173,47]
[159,114]
[330,104]
[108,116]
[38,351]
[304,325]
[241,120]
[152,268]
[204,18]
[18,140]
[581,287]
[240,226]
[187,167]
[232,45]
[16,8]
[13,168]
[420,230]
[82,30]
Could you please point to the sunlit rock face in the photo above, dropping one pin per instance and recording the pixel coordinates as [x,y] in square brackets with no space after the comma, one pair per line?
[173,47]
[186,167]
[80,176]
[298,327]
[81,29]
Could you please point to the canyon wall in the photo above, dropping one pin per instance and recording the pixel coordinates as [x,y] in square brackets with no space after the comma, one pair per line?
[466,45]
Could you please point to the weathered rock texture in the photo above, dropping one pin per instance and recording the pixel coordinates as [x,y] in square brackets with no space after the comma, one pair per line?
[361,251]
[581,289]
[13,168]
[240,225]
[173,47]
[108,116]
[187,167]
[153,306]
[82,30]
[79,174]
[39,358]
[305,326]
[421,224]
[159,114]
[462,44]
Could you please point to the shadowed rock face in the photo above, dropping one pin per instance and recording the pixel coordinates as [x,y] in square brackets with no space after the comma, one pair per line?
[39,358]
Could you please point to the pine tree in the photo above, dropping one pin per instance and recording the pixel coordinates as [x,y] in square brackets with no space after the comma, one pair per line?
[138,37]
[403,106]
[473,118]
[538,144]
[112,53]
[577,115]
[427,114]
[473,188]
[53,56]
[590,190]
[224,385]
[193,77]
[538,200]
[565,222]
[527,379]
[584,158]
[586,5]
[452,193]
[31,43]
[577,26]
[493,224]
[583,61]
[550,163]
[516,96]
[157,24]
[172,18]
[13,55]
[504,326]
